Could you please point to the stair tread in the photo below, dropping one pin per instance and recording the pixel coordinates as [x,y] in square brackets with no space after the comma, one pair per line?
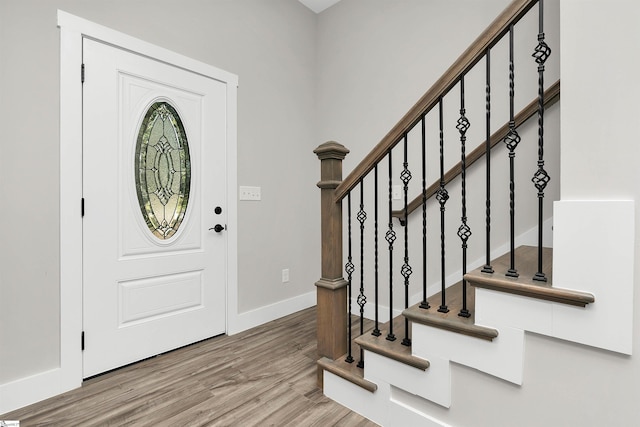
[392,349]
[347,371]
[380,345]
[527,266]
[450,321]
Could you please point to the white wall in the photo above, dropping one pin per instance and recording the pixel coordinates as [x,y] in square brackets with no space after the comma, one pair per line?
[269,45]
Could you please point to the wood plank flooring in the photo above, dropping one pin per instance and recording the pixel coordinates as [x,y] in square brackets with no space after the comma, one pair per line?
[265,376]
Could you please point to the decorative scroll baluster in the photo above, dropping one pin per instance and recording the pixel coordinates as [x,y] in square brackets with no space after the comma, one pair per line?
[376,329]
[442,196]
[464,232]
[424,304]
[541,177]
[390,238]
[487,266]
[362,299]
[406,271]
[349,268]
[512,140]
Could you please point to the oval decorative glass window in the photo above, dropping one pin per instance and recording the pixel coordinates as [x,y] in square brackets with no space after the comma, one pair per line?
[163,170]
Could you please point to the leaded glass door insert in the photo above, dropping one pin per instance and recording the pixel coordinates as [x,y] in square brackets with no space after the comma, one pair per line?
[162,170]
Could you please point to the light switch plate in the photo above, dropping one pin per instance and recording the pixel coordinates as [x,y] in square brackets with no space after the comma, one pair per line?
[250,193]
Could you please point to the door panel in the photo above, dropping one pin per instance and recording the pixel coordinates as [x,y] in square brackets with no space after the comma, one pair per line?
[136,94]
[148,299]
[144,294]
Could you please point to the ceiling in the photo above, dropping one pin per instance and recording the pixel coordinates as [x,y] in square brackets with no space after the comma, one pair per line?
[318,5]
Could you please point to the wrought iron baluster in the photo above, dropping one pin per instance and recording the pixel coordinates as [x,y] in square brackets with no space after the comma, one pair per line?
[424,304]
[376,329]
[406,271]
[541,177]
[512,140]
[487,267]
[362,299]
[349,268]
[390,237]
[464,232]
[442,196]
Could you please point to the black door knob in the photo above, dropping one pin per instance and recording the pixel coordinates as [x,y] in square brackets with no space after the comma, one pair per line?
[217,228]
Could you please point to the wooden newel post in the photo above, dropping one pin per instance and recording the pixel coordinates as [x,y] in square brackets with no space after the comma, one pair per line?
[332,287]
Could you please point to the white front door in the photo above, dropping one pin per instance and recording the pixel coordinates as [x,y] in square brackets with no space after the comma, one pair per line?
[154,267]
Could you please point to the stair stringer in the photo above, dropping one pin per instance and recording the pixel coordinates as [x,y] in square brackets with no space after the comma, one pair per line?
[503,357]
[385,406]
[433,384]
[603,267]
[370,405]
[389,405]
[606,324]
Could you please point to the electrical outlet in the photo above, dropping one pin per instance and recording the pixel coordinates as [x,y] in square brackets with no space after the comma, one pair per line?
[285,275]
[250,193]
[397,192]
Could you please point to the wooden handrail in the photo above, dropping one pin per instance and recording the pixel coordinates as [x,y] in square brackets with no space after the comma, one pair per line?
[498,28]
[551,96]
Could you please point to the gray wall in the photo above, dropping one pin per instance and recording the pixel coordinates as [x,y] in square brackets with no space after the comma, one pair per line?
[270,45]
[376,58]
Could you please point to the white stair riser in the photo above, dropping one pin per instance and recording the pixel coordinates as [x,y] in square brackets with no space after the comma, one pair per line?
[501,357]
[384,406]
[433,384]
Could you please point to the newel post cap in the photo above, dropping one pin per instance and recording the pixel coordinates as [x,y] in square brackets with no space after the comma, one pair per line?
[331,150]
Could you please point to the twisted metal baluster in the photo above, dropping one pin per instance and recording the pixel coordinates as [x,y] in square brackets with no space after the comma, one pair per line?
[349,268]
[487,267]
[362,299]
[390,237]
[464,232]
[406,271]
[512,140]
[442,196]
[376,329]
[541,177]
[424,304]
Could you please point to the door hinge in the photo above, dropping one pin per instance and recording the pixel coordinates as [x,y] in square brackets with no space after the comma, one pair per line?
[82,207]
[82,73]
[82,341]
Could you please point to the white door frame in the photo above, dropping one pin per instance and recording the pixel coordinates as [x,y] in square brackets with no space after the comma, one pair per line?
[72,31]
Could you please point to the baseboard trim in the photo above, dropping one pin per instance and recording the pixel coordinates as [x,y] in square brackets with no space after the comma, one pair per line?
[35,388]
[256,317]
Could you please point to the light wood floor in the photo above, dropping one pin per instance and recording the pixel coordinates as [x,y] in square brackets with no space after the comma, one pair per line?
[262,377]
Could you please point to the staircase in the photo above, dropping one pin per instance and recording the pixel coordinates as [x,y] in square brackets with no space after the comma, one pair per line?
[404,379]
[394,365]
